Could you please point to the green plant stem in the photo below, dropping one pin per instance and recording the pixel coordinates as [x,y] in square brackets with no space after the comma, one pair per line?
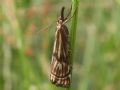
[73,27]
[75,4]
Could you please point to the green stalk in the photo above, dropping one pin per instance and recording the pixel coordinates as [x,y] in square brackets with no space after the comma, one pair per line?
[73,27]
[74,19]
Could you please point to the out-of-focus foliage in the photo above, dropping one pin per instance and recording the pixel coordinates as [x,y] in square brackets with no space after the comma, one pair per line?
[26,40]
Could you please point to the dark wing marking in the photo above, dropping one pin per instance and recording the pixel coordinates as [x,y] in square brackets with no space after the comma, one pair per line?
[60,68]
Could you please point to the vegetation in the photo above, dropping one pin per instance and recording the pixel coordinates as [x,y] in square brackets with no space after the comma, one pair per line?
[27,30]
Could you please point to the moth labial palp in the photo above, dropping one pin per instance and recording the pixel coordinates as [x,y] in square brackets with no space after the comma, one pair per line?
[60,74]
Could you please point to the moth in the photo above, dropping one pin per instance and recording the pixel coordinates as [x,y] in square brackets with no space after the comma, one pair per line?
[61,68]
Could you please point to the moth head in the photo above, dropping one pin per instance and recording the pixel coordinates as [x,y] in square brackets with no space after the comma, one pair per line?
[59,23]
[61,19]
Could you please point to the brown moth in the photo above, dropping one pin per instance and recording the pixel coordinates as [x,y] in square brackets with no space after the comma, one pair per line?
[60,74]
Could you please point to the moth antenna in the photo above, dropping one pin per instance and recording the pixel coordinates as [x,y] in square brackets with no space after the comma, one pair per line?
[62,13]
[42,29]
[66,20]
[68,13]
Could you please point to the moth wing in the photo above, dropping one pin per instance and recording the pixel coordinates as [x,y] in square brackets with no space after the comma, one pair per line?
[60,68]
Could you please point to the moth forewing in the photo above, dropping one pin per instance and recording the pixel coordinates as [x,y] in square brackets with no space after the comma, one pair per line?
[60,66]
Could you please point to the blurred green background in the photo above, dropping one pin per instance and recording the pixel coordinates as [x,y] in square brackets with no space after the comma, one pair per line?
[27,30]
